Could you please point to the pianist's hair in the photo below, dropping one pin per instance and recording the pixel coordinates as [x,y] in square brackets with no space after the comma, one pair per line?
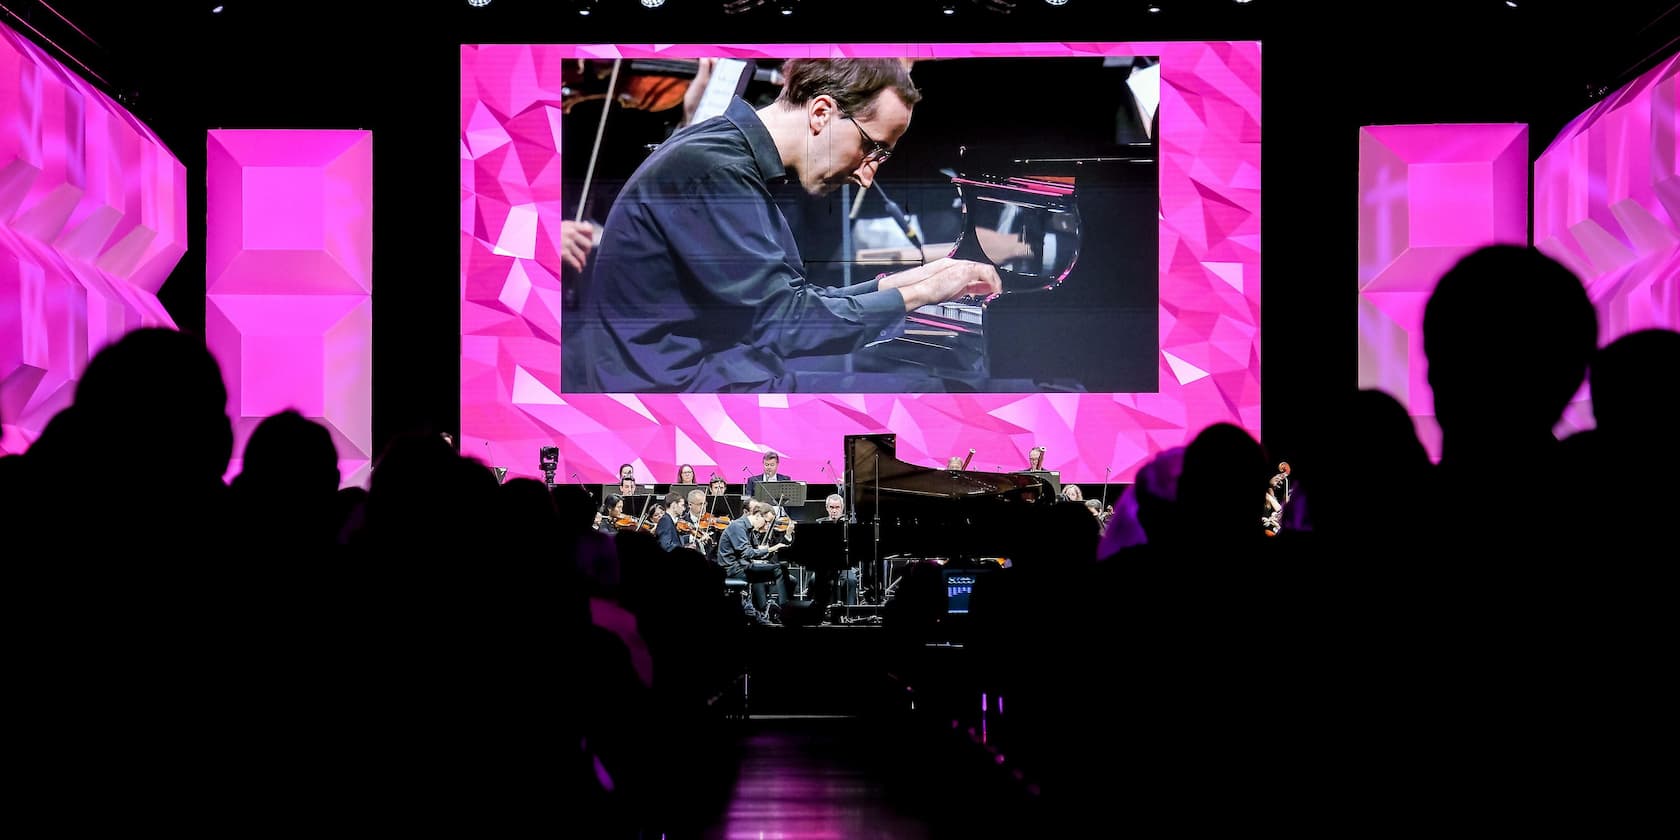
[853,82]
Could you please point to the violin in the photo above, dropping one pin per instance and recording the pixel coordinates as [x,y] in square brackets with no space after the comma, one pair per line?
[784,524]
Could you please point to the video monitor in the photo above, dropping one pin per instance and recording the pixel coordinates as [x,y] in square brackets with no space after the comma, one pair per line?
[984,246]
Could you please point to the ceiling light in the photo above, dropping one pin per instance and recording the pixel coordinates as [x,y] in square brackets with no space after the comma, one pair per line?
[652,4]
[1056,2]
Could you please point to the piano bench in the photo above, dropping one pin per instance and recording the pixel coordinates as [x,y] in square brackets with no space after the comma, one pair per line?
[739,589]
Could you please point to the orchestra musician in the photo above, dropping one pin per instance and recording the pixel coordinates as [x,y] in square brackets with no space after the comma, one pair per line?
[696,510]
[822,585]
[1277,495]
[1072,493]
[740,557]
[670,536]
[685,475]
[699,285]
[1035,458]
[771,461]
[612,509]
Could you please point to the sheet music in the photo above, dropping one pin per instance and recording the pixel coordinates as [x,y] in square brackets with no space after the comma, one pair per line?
[720,88]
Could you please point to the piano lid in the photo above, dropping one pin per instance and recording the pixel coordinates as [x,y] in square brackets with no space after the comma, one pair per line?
[877,470]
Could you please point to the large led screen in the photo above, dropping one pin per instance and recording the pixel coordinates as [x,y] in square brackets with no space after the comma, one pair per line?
[1020,245]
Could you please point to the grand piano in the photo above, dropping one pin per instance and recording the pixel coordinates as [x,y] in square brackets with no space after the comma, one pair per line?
[904,510]
[1074,239]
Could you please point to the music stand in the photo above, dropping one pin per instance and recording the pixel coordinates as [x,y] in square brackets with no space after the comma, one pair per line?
[724,505]
[683,489]
[1054,478]
[612,490]
[820,547]
[781,493]
[634,505]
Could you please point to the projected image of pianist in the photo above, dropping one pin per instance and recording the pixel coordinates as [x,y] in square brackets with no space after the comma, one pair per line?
[699,285]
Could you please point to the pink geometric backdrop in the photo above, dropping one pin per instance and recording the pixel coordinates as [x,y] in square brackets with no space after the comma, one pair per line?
[92,220]
[1428,195]
[1606,201]
[511,404]
[289,282]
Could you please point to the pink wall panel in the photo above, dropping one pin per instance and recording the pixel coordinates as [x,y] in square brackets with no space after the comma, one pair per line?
[289,281]
[1428,195]
[511,397]
[92,220]
[1606,204]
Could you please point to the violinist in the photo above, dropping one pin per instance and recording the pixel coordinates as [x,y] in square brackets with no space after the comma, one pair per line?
[699,523]
[671,537]
[611,513]
[698,281]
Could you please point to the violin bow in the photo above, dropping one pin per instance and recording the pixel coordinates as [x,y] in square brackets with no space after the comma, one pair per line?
[600,130]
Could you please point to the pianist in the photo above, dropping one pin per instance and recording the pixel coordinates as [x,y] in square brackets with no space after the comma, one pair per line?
[741,559]
[699,285]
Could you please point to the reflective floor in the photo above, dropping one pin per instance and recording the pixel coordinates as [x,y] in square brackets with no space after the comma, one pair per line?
[848,778]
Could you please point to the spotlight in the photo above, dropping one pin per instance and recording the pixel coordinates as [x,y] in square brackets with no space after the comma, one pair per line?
[1154,9]
[1056,2]
[584,7]
[478,4]
[652,4]
[948,8]
[787,6]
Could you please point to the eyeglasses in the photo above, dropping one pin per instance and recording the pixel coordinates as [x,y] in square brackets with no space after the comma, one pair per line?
[877,152]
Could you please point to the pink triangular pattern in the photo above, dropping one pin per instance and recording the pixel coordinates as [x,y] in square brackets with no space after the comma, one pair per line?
[1209,293]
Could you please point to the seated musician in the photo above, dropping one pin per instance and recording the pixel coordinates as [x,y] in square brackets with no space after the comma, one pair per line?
[606,521]
[1035,458]
[741,558]
[1072,493]
[696,509]
[836,507]
[771,462]
[822,588]
[627,487]
[670,536]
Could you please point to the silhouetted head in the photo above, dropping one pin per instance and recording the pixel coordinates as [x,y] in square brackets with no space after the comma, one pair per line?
[289,452]
[1508,333]
[1223,484]
[153,404]
[1632,381]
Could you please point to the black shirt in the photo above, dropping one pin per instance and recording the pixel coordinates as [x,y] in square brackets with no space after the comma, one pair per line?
[698,282]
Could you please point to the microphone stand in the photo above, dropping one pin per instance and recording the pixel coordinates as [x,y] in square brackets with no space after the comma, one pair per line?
[881,582]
